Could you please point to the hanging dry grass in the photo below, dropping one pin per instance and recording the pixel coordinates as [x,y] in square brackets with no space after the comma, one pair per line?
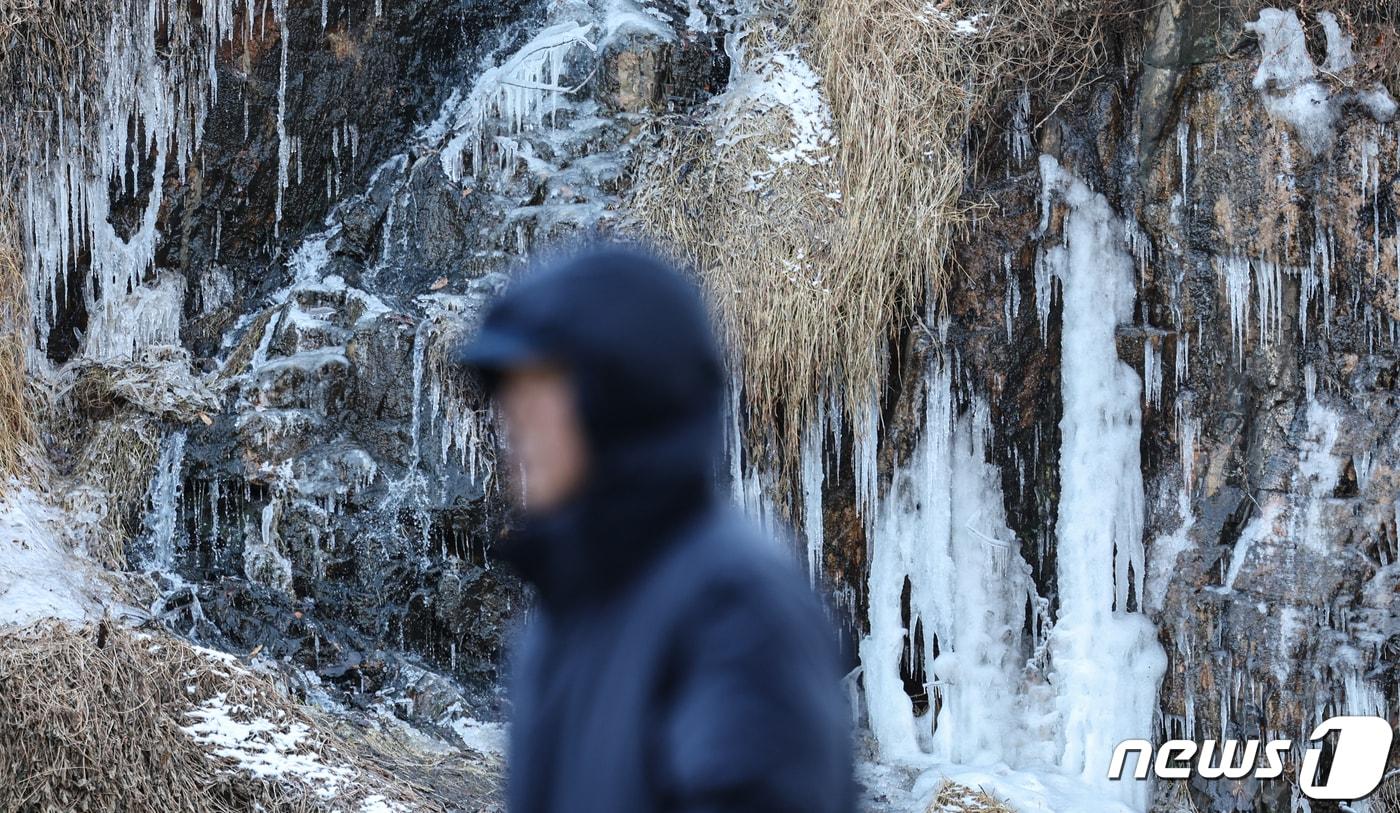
[760,236]
[16,423]
[814,265]
[1387,797]
[91,720]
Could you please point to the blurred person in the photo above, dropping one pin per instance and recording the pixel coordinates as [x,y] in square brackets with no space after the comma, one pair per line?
[676,661]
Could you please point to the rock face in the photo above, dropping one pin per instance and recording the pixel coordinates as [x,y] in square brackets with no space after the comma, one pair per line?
[1263,335]
[368,175]
[371,173]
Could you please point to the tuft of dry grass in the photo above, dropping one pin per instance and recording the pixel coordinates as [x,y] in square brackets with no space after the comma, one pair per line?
[1386,799]
[760,238]
[954,798]
[91,720]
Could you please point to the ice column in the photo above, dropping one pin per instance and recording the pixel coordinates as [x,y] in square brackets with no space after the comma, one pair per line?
[1107,662]
[942,527]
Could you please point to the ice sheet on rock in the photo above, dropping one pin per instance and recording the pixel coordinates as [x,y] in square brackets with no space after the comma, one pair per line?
[160,534]
[625,17]
[1287,77]
[40,576]
[122,326]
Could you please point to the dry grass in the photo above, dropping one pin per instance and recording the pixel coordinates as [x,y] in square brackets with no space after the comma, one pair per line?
[90,720]
[789,315]
[17,433]
[817,265]
[104,424]
[109,483]
[1387,797]
[954,798]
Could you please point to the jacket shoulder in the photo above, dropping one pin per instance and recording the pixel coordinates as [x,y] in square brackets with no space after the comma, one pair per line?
[728,566]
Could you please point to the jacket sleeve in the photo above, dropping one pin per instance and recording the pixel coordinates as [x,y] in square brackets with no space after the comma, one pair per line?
[755,720]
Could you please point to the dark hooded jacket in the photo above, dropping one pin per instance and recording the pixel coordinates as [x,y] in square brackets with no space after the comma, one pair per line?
[676,661]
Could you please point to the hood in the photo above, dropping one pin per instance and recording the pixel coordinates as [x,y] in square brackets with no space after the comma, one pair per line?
[637,342]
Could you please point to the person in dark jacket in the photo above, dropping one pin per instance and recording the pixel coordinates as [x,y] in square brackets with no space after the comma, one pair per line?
[676,660]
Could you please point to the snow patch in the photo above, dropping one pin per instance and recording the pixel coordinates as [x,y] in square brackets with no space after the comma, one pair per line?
[483,737]
[268,749]
[40,577]
[763,79]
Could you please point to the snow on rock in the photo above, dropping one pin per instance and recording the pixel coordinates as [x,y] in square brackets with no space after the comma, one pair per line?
[40,577]
[1287,78]
[484,737]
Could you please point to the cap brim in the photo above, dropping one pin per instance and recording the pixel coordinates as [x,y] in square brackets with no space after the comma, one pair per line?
[490,353]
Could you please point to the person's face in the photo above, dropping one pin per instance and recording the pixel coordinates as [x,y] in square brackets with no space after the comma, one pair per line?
[546,444]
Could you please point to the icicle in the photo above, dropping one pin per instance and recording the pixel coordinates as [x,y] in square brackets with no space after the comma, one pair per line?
[1236,270]
[522,92]
[734,439]
[150,104]
[1044,292]
[813,475]
[163,499]
[1152,372]
[1183,153]
[865,460]
[1018,135]
[1268,282]
[1182,368]
[283,143]
[1186,430]
[1011,305]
